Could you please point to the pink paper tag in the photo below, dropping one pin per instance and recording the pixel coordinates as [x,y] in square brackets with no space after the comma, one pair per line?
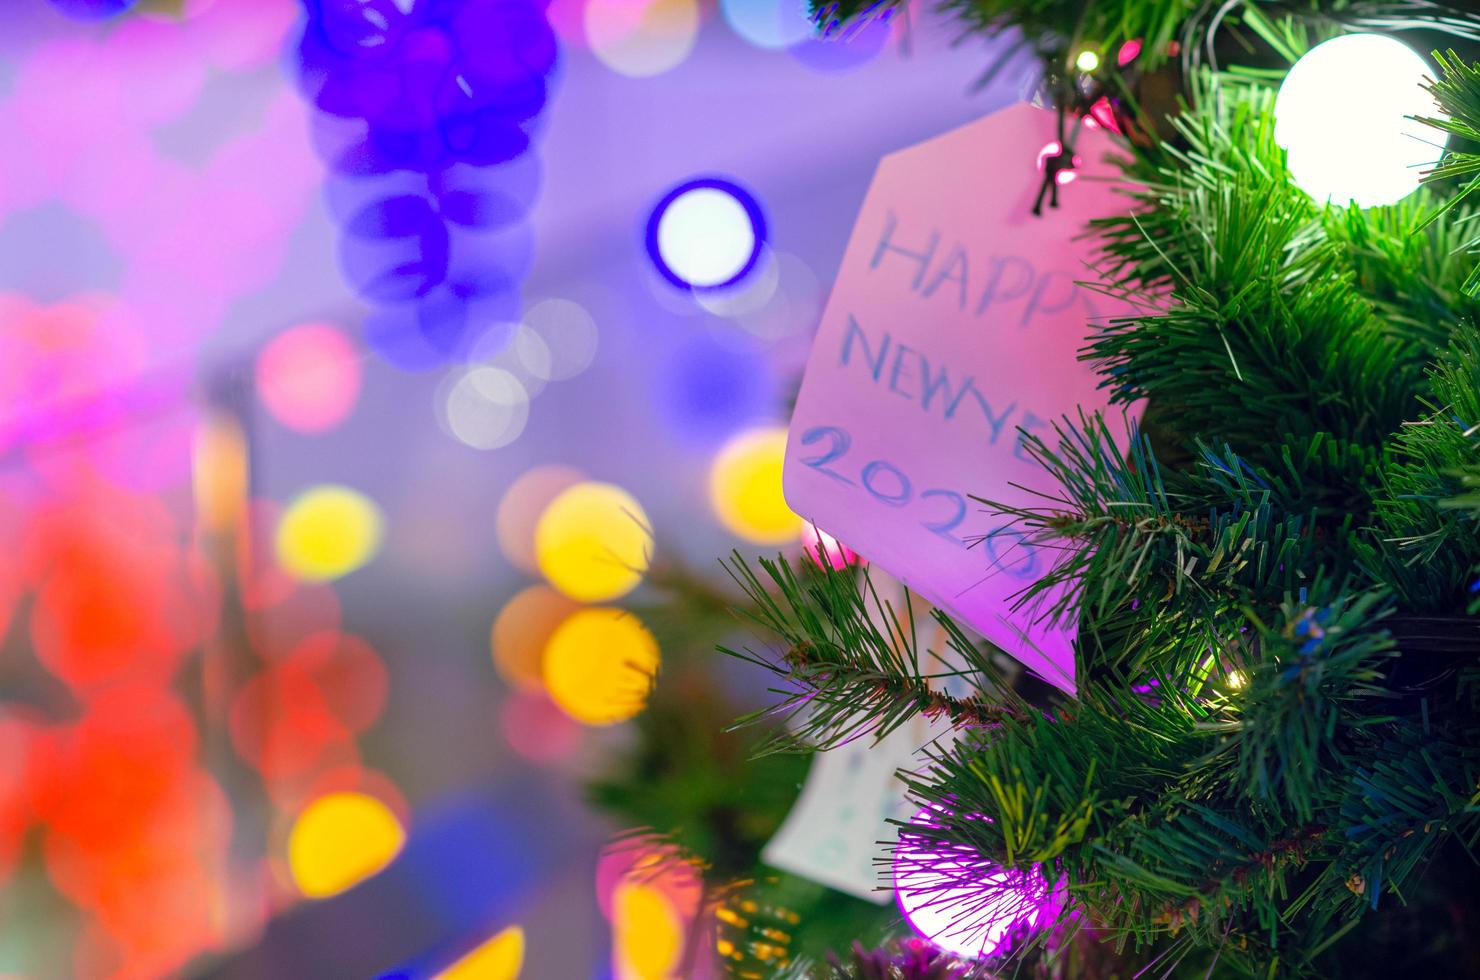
[955,320]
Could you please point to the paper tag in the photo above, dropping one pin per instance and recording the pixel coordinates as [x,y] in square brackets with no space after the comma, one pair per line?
[834,832]
[837,832]
[955,320]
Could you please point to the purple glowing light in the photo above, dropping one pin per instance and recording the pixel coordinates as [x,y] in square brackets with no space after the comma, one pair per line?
[962,902]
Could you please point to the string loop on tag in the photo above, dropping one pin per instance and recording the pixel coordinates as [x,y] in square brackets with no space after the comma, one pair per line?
[1059,162]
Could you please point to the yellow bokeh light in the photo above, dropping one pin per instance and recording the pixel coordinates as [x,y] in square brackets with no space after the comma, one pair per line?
[500,958]
[745,488]
[523,629]
[647,932]
[1088,61]
[593,542]
[519,511]
[339,840]
[599,666]
[327,532]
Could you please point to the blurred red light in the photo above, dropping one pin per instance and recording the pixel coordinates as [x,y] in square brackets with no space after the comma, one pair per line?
[117,593]
[115,766]
[349,674]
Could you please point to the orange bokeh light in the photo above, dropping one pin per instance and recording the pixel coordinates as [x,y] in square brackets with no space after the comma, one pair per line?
[155,901]
[113,768]
[117,593]
[521,632]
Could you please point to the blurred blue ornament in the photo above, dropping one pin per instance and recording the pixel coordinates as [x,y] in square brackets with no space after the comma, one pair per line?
[436,83]
[92,9]
[427,105]
[445,324]
[393,252]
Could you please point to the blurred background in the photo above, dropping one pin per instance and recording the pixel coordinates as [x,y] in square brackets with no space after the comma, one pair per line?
[357,361]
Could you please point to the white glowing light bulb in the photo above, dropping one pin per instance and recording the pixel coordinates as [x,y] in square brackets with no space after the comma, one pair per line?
[1342,116]
[706,236]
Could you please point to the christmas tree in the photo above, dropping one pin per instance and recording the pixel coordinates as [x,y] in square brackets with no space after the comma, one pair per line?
[1271,763]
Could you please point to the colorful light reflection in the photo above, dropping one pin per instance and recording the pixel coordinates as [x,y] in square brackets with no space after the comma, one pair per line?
[651,892]
[520,509]
[522,630]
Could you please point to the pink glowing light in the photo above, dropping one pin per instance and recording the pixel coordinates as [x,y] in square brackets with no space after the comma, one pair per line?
[1102,114]
[649,861]
[962,902]
[308,377]
[193,237]
[826,551]
[1054,148]
[536,729]
[1129,51]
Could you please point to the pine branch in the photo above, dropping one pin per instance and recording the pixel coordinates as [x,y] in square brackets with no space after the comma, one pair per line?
[1412,791]
[1051,781]
[1276,723]
[1457,95]
[1425,540]
[1263,304]
[1153,576]
[1316,686]
[854,664]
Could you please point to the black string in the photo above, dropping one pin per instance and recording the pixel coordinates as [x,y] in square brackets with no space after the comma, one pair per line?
[1055,164]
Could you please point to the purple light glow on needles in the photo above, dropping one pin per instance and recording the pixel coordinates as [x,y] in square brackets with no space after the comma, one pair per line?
[964,903]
